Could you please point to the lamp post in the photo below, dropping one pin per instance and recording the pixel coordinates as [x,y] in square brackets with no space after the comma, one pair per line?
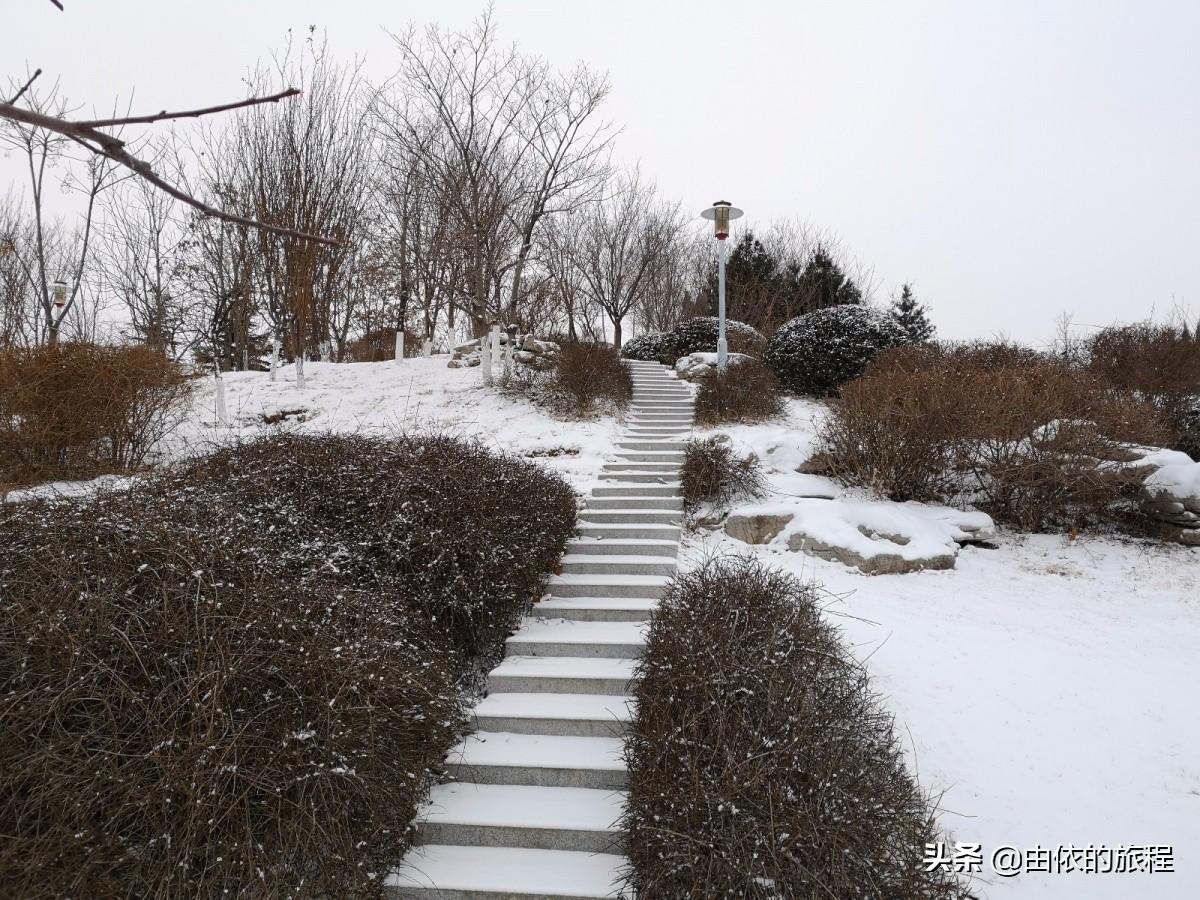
[721,213]
[58,291]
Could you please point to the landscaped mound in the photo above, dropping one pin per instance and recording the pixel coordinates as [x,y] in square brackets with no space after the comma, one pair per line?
[698,335]
[818,352]
[761,764]
[233,680]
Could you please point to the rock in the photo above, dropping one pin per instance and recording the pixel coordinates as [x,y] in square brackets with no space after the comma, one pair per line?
[524,356]
[817,464]
[462,349]
[696,364]
[1192,504]
[756,528]
[877,564]
[1165,507]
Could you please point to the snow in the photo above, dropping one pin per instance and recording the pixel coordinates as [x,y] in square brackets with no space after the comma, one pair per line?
[565,667]
[594,707]
[569,631]
[509,871]
[1180,480]
[524,806]
[540,751]
[1047,687]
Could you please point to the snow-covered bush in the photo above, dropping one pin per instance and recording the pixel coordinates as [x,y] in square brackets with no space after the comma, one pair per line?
[177,720]
[819,351]
[698,335]
[649,346]
[713,474]
[1031,440]
[761,763]
[746,392]
[239,673]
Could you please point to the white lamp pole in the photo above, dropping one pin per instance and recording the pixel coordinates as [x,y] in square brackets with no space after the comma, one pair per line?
[721,213]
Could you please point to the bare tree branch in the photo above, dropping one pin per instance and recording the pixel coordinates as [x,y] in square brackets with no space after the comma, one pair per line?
[58,4]
[186,114]
[32,79]
[114,148]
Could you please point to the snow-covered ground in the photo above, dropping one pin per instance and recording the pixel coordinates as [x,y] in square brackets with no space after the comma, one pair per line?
[1047,688]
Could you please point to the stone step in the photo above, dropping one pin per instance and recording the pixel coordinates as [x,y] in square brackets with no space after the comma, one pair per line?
[652,445]
[613,564]
[630,516]
[628,532]
[664,456]
[640,586]
[565,715]
[635,503]
[562,675]
[543,760]
[562,637]
[620,547]
[597,609]
[670,489]
[444,872]
[528,816]
[639,478]
[631,466]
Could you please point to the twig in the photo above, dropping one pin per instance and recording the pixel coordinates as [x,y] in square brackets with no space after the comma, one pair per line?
[112,147]
[58,4]
[32,79]
[186,114]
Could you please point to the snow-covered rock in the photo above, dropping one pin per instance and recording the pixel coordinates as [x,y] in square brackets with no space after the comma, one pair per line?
[876,537]
[696,364]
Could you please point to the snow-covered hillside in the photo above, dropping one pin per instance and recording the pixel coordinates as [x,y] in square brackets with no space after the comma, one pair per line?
[1046,686]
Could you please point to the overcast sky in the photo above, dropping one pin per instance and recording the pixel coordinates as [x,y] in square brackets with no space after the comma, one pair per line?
[1014,160]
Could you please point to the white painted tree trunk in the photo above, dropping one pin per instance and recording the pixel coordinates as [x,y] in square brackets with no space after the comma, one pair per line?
[508,357]
[274,357]
[427,348]
[399,346]
[300,371]
[485,360]
[219,397]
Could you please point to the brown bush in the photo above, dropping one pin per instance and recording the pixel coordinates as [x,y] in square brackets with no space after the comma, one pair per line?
[178,721]
[747,392]
[712,473]
[587,378]
[78,410]
[1158,363]
[380,346]
[761,764]
[1028,438]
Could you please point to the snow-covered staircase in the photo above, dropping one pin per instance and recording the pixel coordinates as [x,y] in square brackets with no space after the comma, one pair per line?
[533,810]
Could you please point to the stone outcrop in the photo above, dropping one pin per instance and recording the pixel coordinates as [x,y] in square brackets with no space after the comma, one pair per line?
[527,350]
[694,365]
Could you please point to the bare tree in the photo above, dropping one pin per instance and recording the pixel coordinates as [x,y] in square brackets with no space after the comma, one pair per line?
[620,246]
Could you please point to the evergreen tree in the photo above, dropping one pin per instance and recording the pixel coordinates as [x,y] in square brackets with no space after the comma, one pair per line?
[911,315]
[823,283]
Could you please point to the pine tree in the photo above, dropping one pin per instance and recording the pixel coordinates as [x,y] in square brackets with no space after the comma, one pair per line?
[823,283]
[910,314]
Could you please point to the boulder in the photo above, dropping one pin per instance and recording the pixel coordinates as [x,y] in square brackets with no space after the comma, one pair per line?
[879,563]
[694,365]
[756,528]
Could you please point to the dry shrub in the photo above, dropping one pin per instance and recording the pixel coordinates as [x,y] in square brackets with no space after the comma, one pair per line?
[1159,363]
[79,410]
[233,679]
[177,720]
[1028,438]
[379,346]
[713,474]
[442,525]
[746,392]
[761,764]
[588,378]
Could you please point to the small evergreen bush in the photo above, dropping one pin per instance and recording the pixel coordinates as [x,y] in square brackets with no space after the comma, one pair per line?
[649,346]
[698,335]
[818,352]
[746,392]
[761,763]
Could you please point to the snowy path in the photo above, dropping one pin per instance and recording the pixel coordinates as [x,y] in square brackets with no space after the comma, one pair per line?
[534,810]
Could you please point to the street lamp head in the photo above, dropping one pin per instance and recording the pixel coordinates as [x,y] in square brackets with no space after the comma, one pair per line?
[721,213]
[58,291]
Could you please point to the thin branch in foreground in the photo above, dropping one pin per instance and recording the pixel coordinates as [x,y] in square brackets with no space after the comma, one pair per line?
[105,144]
[185,114]
[58,4]
[32,79]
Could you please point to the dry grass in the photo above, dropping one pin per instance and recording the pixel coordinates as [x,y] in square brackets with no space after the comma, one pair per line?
[746,392]
[713,474]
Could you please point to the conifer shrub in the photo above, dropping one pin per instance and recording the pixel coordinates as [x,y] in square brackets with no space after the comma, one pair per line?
[761,763]
[818,352]
[698,335]
[745,392]
[713,474]
[76,410]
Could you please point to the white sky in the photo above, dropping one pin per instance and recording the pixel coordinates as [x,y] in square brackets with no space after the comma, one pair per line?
[1014,160]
